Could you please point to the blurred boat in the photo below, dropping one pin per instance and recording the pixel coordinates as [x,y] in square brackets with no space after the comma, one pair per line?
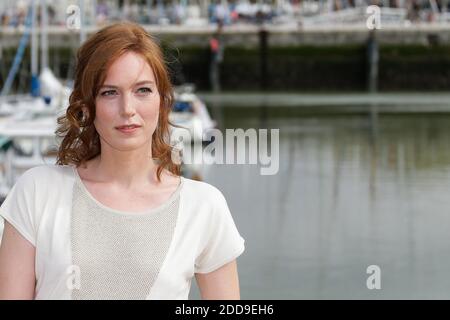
[32,142]
[54,97]
[190,114]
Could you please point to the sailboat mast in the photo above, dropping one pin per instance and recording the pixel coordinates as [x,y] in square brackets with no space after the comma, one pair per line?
[34,53]
[44,35]
[82,21]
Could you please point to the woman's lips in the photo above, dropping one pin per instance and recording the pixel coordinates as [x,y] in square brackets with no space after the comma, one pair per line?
[128,129]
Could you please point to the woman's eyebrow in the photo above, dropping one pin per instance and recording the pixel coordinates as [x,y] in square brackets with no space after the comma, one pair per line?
[136,84]
[144,82]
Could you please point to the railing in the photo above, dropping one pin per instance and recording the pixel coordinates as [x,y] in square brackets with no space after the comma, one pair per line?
[350,16]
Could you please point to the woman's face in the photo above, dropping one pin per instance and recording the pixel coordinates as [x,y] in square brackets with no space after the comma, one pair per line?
[129,96]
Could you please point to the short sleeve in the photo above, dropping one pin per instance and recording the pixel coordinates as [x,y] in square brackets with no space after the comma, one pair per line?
[224,243]
[17,208]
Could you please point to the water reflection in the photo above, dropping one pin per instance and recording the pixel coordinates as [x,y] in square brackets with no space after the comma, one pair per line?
[352,191]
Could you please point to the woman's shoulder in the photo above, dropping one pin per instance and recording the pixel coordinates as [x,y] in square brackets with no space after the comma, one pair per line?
[203,190]
[200,186]
[46,173]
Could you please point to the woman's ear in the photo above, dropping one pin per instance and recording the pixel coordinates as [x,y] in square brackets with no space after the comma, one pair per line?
[84,116]
[85,111]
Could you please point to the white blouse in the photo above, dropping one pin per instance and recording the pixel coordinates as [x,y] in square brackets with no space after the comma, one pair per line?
[86,250]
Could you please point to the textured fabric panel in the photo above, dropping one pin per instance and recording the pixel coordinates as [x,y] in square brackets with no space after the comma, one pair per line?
[119,255]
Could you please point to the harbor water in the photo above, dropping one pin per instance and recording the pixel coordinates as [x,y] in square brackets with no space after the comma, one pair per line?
[352,191]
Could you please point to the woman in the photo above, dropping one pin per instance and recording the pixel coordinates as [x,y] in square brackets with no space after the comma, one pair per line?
[113,219]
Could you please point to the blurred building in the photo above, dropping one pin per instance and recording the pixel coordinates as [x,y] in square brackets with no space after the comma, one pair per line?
[202,12]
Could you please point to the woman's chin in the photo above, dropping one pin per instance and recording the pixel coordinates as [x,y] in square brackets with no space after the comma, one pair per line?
[128,145]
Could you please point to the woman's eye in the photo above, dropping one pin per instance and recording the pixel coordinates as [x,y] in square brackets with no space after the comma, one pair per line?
[144,90]
[108,93]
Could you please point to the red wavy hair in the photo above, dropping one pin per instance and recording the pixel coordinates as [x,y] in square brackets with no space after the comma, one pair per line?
[80,140]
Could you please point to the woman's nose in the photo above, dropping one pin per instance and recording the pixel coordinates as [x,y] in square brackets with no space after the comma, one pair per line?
[127,108]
